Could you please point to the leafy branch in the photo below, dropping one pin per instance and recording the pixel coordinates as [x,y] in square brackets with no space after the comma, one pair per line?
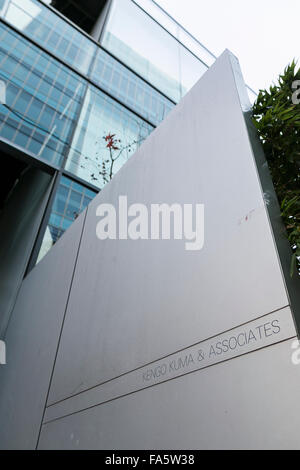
[277,120]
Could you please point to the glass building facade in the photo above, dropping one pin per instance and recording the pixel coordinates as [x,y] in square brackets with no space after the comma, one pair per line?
[157,55]
[42,98]
[76,102]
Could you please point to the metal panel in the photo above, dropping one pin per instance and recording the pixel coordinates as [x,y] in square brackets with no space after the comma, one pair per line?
[134,302]
[270,329]
[251,402]
[32,339]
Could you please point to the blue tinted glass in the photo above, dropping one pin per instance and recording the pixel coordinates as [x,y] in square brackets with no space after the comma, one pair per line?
[55,220]
[77,187]
[74,204]
[42,98]
[60,199]
[125,85]
[86,201]
[106,136]
[22,136]
[66,181]
[89,193]
[70,199]
[66,223]
[41,24]
[9,130]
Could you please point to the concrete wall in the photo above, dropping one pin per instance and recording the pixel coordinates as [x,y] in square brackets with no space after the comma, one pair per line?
[139,363]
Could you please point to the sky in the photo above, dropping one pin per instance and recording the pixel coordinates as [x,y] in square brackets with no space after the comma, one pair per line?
[263,34]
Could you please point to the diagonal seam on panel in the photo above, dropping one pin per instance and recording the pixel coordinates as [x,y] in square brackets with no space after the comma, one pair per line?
[153,385]
[62,326]
[99,384]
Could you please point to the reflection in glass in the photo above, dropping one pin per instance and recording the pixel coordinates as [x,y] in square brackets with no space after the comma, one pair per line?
[70,200]
[42,98]
[45,27]
[155,55]
[156,12]
[129,89]
[159,15]
[107,134]
[194,46]
[191,69]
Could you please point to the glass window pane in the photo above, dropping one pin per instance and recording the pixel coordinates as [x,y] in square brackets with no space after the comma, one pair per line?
[194,46]
[74,204]
[155,56]
[42,98]
[106,136]
[130,89]
[44,26]
[60,199]
[191,69]
[66,207]
[162,18]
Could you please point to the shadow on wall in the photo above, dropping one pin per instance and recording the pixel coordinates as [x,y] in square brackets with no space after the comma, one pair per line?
[24,194]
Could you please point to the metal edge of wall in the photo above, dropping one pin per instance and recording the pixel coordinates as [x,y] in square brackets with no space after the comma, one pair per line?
[85,212]
[292,284]
[99,26]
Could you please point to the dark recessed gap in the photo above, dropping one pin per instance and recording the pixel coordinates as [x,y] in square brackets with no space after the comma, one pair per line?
[82,14]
